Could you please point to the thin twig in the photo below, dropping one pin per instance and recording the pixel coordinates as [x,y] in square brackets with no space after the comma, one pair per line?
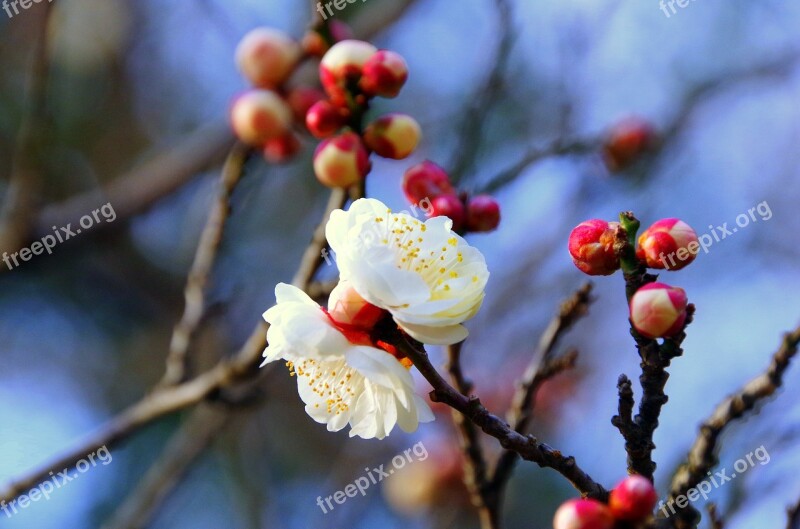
[714,517]
[475,462]
[178,365]
[229,372]
[527,446]
[483,102]
[18,208]
[702,456]
[693,100]
[793,516]
[543,366]
[137,190]
[183,450]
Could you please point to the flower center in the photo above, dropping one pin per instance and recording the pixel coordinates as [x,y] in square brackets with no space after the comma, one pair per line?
[360,336]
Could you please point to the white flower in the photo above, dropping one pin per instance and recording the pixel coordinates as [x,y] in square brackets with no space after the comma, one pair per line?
[423,273]
[341,382]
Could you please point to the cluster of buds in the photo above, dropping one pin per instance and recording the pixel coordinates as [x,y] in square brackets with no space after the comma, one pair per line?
[428,181]
[262,116]
[657,310]
[631,502]
[352,73]
[627,142]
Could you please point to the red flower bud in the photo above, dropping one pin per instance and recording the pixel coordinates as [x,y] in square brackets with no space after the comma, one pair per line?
[346,306]
[282,148]
[426,180]
[669,243]
[260,115]
[301,99]
[393,136]
[633,499]
[483,214]
[658,310]
[591,245]
[341,161]
[343,64]
[583,514]
[384,74]
[626,142]
[267,56]
[449,206]
[324,119]
[315,45]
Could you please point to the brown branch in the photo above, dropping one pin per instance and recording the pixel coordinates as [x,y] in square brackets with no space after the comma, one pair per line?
[693,100]
[715,518]
[527,446]
[702,457]
[655,357]
[18,208]
[793,516]
[136,190]
[560,147]
[483,102]
[182,451]
[243,366]
[542,367]
[178,366]
[474,460]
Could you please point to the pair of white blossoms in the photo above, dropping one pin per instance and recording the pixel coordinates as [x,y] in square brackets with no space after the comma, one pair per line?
[422,275]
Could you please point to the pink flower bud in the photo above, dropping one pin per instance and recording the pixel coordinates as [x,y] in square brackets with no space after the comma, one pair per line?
[342,65]
[260,115]
[591,245]
[483,214]
[583,514]
[449,206]
[669,243]
[301,99]
[267,56]
[282,148]
[341,161]
[347,307]
[384,74]
[324,119]
[658,310]
[426,180]
[626,142]
[633,499]
[393,136]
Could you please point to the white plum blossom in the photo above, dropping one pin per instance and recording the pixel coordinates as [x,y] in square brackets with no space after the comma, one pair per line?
[424,274]
[341,377]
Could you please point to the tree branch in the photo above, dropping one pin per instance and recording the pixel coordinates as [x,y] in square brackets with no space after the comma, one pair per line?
[702,457]
[483,102]
[194,437]
[19,204]
[178,365]
[541,368]
[475,462]
[527,446]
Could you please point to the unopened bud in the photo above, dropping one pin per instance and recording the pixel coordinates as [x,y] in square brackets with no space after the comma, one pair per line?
[260,115]
[341,161]
[591,245]
[267,56]
[384,74]
[658,310]
[668,243]
[393,136]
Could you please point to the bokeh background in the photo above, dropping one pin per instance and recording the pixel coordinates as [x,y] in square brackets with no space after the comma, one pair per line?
[83,332]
